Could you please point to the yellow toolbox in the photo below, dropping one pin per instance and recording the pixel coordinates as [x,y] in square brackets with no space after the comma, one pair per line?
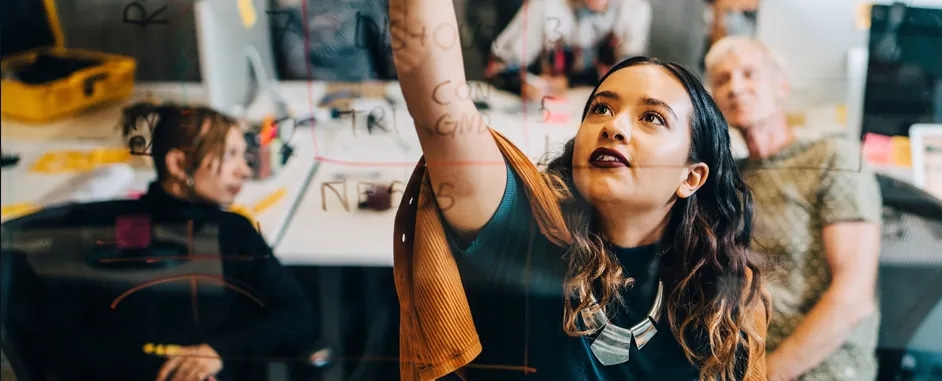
[42,79]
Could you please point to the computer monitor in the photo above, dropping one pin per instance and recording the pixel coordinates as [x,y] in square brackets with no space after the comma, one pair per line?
[236,61]
[904,71]
[813,38]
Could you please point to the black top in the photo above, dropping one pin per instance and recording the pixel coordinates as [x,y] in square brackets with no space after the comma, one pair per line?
[513,277]
[85,337]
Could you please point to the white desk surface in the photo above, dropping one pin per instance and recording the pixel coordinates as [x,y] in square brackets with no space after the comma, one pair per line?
[97,128]
[299,228]
[325,232]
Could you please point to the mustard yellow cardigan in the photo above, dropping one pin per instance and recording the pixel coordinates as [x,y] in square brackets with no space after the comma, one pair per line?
[437,333]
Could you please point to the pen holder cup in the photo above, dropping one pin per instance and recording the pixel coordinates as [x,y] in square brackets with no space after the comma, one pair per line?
[264,158]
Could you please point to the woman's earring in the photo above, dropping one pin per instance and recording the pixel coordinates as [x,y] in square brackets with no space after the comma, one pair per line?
[189,182]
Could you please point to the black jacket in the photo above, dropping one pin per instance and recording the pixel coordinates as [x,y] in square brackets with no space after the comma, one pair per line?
[88,326]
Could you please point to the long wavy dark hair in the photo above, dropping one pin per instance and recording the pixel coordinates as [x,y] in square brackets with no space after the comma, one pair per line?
[705,256]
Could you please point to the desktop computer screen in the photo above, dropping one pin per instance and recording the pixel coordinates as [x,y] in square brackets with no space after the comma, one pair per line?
[904,72]
[236,59]
[812,39]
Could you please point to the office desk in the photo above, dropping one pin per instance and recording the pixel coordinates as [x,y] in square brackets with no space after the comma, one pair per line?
[330,230]
[97,128]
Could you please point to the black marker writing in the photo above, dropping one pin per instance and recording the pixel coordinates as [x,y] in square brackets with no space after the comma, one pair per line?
[443,199]
[445,92]
[367,28]
[139,144]
[366,189]
[341,195]
[555,30]
[443,194]
[363,192]
[375,120]
[399,40]
[546,112]
[444,36]
[465,123]
[143,18]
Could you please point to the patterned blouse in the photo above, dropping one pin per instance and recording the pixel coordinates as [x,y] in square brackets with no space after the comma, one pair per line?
[798,192]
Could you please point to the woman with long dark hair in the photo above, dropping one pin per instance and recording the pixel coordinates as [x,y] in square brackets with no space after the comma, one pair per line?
[626,259]
[250,306]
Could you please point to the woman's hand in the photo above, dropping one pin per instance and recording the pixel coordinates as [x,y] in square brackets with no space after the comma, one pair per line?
[192,363]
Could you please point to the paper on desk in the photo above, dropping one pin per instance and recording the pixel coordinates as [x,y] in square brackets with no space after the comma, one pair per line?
[100,184]
[363,149]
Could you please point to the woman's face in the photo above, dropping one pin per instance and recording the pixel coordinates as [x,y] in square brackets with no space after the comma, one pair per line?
[219,180]
[632,148]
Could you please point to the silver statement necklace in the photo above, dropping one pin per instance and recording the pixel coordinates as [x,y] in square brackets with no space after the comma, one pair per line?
[612,345]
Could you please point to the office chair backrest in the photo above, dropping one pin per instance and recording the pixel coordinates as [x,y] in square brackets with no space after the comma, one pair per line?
[910,263]
[79,254]
[65,256]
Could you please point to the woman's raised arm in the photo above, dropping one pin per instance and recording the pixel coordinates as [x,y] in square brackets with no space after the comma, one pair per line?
[464,163]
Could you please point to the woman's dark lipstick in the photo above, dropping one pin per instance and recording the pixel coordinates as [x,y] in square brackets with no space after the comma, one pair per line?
[607,158]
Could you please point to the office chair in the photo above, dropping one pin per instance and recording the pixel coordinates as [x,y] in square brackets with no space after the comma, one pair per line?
[61,274]
[910,283]
[59,259]
[54,263]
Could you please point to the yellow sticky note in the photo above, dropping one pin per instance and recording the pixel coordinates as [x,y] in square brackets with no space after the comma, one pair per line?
[247,11]
[105,156]
[17,210]
[54,162]
[901,154]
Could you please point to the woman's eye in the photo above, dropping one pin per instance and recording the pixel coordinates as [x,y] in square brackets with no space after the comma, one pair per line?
[601,109]
[653,118]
